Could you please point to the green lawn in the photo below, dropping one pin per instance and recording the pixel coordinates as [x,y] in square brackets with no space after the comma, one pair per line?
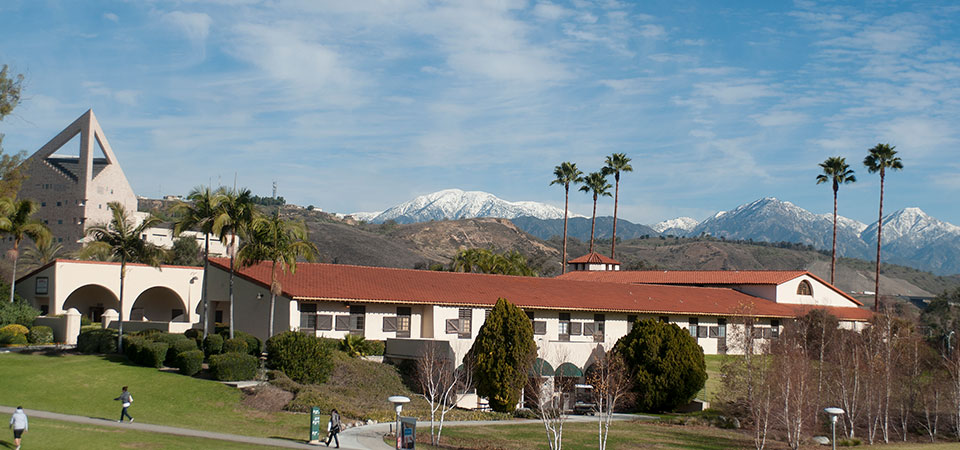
[54,435]
[712,387]
[623,435]
[87,384]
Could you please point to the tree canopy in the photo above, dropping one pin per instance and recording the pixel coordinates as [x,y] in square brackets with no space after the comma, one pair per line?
[502,354]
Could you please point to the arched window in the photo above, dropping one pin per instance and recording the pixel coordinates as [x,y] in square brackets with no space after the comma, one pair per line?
[804,288]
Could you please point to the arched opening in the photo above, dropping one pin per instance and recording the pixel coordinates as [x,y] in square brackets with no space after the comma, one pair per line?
[92,300]
[159,304]
[804,288]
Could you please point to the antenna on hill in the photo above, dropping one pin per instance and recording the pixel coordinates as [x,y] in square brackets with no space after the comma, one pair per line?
[274,189]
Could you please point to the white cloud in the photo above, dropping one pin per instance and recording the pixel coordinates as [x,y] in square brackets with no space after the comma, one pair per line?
[734,92]
[652,31]
[918,135]
[550,11]
[780,118]
[123,96]
[194,26]
[111,17]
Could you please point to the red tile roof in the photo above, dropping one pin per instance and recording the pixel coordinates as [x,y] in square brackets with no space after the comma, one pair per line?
[593,258]
[384,285]
[699,277]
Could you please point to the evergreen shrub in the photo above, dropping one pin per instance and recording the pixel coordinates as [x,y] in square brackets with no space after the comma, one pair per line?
[97,340]
[502,355]
[15,328]
[213,345]
[9,338]
[235,345]
[19,312]
[40,334]
[254,345]
[179,346]
[233,366]
[302,358]
[190,362]
[152,354]
[196,335]
[665,364]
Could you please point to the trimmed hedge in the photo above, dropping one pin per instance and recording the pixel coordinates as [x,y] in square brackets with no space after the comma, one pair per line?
[233,366]
[10,338]
[152,354]
[374,348]
[131,347]
[40,334]
[305,359]
[213,345]
[196,335]
[97,340]
[254,345]
[15,328]
[179,346]
[190,362]
[235,345]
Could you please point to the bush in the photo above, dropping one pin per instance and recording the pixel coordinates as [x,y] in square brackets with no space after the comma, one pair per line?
[305,359]
[152,354]
[178,347]
[196,335]
[665,364]
[85,321]
[503,353]
[148,333]
[190,362]
[375,348]
[10,339]
[40,334]
[254,345]
[97,340]
[235,345]
[19,312]
[15,328]
[212,345]
[233,366]
[132,346]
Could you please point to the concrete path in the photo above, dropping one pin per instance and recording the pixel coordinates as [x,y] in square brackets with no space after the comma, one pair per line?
[369,437]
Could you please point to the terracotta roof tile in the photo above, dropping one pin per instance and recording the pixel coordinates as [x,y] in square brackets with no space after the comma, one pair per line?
[593,258]
[376,284]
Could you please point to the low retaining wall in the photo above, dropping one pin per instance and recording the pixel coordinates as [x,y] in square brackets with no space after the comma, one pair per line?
[65,328]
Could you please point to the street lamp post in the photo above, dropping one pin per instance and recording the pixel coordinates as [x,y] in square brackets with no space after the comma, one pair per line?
[398,402]
[834,413]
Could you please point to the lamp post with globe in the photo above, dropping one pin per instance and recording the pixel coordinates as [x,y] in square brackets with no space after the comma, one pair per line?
[834,413]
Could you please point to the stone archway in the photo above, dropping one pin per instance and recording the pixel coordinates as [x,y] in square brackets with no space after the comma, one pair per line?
[92,300]
[159,304]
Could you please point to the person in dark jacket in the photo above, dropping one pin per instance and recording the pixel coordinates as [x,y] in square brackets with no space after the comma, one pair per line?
[125,399]
[333,427]
[18,421]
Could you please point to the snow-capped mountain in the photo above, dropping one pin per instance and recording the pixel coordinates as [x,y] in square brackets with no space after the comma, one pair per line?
[456,204]
[678,227]
[913,238]
[773,220]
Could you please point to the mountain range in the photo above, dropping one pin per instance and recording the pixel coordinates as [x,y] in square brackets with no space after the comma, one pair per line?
[910,236]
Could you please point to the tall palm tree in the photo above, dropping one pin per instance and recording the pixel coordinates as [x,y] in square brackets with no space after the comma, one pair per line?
[38,255]
[881,158]
[835,170]
[18,224]
[616,163]
[281,242]
[595,183]
[120,239]
[200,212]
[566,173]
[236,214]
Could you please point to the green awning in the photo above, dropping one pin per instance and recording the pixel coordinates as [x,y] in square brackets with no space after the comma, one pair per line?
[569,370]
[541,368]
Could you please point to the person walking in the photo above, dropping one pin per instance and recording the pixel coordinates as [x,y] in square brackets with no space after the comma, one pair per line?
[333,427]
[19,424]
[125,399]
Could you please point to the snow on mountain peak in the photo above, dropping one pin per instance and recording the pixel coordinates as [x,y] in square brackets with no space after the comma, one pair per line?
[681,223]
[459,204]
[911,224]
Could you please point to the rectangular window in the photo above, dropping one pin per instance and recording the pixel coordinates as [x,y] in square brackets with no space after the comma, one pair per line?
[599,327]
[357,317]
[692,326]
[539,327]
[563,331]
[403,322]
[58,204]
[775,328]
[722,328]
[465,332]
[630,321]
[308,316]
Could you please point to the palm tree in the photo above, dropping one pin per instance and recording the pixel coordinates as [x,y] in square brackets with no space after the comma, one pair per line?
[616,163]
[566,173]
[200,212]
[38,255]
[120,239]
[596,183]
[281,242]
[18,224]
[881,158]
[236,214]
[835,170]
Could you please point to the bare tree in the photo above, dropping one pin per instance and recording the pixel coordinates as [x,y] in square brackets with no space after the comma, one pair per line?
[790,375]
[440,382]
[744,378]
[848,365]
[547,401]
[951,362]
[932,386]
[611,384]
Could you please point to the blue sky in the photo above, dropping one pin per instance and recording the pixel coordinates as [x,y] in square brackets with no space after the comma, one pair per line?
[356,106]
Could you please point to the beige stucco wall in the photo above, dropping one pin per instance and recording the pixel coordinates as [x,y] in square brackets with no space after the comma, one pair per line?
[822,295]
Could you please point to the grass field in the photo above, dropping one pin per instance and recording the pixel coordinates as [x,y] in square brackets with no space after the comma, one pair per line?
[56,435]
[623,435]
[86,385]
[712,387]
